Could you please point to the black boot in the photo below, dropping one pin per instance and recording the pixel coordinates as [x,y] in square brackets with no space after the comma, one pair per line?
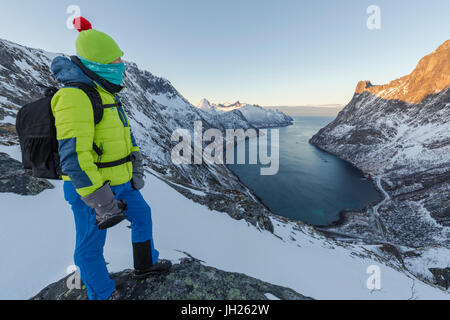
[143,264]
[162,266]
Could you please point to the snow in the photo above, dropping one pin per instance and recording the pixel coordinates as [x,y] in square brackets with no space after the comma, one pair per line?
[271,296]
[261,117]
[23,65]
[8,86]
[5,101]
[13,151]
[193,191]
[341,130]
[204,104]
[171,102]
[38,240]
[8,119]
[254,114]
[431,257]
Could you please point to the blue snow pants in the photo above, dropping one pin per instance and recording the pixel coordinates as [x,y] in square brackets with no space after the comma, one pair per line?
[90,240]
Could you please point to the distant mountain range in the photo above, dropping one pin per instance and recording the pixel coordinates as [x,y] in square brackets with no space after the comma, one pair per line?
[326,110]
[257,116]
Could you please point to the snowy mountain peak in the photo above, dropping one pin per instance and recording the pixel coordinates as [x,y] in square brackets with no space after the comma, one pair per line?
[237,104]
[204,104]
[257,116]
[226,106]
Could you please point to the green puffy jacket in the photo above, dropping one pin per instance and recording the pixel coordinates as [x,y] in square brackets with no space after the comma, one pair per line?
[76,134]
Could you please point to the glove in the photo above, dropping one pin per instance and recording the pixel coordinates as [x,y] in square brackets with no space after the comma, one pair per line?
[109,211]
[138,171]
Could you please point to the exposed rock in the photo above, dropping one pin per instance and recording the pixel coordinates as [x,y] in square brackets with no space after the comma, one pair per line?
[8,135]
[5,112]
[14,179]
[189,280]
[392,250]
[441,276]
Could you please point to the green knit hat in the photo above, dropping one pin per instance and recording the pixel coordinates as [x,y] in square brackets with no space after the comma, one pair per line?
[94,45]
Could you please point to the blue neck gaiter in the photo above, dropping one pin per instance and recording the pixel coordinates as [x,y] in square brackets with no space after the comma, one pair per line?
[111,72]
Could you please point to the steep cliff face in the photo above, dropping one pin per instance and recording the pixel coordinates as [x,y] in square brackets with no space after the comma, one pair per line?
[431,76]
[400,134]
[155,109]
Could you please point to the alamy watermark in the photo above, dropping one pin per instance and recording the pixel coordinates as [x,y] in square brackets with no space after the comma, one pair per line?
[374,280]
[73,282]
[189,150]
[75,12]
[374,20]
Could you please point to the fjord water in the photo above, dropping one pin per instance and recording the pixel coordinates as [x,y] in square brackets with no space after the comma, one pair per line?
[312,185]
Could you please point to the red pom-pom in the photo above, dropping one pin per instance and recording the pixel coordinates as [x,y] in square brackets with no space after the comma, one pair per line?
[82,24]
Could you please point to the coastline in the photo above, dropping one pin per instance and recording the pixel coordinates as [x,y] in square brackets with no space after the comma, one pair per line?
[346,214]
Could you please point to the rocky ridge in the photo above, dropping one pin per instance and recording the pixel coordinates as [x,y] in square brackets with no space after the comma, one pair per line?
[189,280]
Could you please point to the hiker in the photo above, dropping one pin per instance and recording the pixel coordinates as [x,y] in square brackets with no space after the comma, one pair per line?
[101,164]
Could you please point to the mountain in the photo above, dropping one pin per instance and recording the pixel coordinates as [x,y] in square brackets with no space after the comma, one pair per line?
[399,133]
[257,116]
[200,211]
[206,105]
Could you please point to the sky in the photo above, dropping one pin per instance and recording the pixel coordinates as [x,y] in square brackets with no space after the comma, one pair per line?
[267,52]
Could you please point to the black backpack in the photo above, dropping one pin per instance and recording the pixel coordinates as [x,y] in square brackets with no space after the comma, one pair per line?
[36,129]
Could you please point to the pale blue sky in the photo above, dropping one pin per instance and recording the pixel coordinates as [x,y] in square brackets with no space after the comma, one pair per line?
[286,52]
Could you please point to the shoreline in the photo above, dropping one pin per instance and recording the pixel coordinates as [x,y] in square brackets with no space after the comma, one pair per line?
[343,215]
[254,195]
[346,213]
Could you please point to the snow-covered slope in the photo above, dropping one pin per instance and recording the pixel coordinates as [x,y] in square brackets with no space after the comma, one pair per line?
[257,116]
[294,256]
[400,134]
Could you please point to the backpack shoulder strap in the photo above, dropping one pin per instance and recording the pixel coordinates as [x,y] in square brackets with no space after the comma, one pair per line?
[95,98]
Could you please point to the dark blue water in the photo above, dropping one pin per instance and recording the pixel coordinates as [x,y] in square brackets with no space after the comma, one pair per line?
[311,185]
